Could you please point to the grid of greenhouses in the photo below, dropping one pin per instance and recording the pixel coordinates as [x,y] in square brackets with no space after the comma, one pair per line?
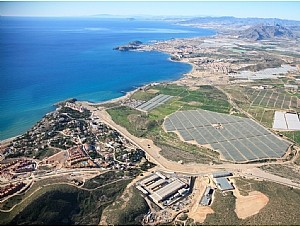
[238,139]
[153,103]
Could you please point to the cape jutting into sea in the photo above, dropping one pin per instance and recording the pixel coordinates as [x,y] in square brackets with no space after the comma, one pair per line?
[46,60]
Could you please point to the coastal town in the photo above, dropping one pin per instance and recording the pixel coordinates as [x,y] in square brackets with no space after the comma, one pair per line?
[67,138]
[222,60]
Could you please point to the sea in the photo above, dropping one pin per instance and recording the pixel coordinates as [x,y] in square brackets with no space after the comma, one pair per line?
[47,60]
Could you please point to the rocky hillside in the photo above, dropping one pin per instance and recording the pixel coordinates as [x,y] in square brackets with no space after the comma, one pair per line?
[263,32]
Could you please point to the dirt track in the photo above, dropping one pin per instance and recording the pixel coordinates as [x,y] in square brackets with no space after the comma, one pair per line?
[198,212]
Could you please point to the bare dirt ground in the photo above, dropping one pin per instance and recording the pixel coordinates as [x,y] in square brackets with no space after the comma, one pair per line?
[153,91]
[246,206]
[194,103]
[60,157]
[198,212]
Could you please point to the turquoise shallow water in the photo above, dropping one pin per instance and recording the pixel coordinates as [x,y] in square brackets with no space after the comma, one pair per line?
[46,60]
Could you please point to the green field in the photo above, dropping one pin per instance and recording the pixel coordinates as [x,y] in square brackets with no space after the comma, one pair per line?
[102,179]
[293,135]
[150,125]
[282,208]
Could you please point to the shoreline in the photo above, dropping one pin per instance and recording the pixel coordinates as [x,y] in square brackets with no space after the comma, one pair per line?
[114,100]
[8,140]
[118,99]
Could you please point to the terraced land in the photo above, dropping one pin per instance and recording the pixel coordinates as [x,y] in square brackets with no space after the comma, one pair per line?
[273,99]
[262,103]
[237,139]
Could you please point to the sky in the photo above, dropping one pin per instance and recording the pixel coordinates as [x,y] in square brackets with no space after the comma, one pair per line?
[268,9]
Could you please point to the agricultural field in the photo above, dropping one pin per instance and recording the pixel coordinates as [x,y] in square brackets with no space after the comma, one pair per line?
[149,125]
[237,139]
[262,103]
[293,135]
[273,99]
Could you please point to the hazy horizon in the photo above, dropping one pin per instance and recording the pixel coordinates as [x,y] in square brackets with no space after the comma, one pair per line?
[239,9]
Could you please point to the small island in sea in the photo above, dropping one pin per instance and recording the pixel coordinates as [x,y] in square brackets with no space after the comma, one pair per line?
[130,46]
[216,145]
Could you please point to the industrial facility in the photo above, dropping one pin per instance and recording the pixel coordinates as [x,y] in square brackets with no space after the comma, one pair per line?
[222,182]
[207,196]
[164,190]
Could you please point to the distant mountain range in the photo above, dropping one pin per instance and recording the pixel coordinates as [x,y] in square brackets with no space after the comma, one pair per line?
[249,28]
[241,21]
[262,32]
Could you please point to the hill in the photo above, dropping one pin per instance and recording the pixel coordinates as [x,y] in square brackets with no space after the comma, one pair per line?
[262,32]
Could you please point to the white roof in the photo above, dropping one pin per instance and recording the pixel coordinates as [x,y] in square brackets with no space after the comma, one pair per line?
[292,121]
[223,183]
[142,190]
[169,189]
[150,178]
[157,183]
[286,121]
[279,121]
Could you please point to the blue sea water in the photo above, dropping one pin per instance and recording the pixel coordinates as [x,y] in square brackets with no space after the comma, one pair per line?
[46,60]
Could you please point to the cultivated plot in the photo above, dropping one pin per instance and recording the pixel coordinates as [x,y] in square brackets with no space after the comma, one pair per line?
[153,103]
[273,99]
[237,139]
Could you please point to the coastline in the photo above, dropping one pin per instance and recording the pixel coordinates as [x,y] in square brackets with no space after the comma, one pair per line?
[125,96]
[8,140]
[121,98]
[176,75]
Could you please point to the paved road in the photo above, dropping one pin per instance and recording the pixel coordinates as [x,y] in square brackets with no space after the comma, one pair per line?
[259,173]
